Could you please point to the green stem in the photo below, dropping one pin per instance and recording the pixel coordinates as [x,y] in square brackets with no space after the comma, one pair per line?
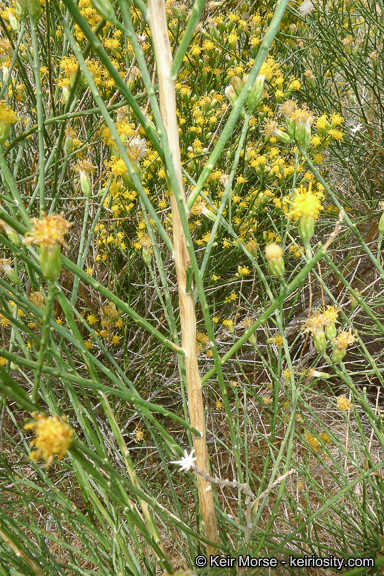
[39,110]
[44,339]
[379,247]
[81,255]
[14,191]
[188,33]
[227,191]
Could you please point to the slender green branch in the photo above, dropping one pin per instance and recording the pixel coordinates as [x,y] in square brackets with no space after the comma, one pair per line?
[44,339]
[227,191]
[14,191]
[40,114]
[188,33]
[14,58]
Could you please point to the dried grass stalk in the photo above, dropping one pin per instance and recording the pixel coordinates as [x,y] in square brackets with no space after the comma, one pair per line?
[158,24]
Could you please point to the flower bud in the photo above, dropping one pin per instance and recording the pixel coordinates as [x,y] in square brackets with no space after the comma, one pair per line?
[274,256]
[147,257]
[68,145]
[231,94]
[86,185]
[237,84]
[84,168]
[306,228]
[252,340]
[5,266]
[256,94]
[381,225]
[50,261]
[303,121]
[65,94]
[127,179]
[330,330]
[338,354]
[134,73]
[11,233]
[320,341]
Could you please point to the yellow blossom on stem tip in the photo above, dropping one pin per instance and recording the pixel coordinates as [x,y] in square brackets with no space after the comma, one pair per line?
[341,342]
[305,207]
[315,325]
[343,403]
[312,441]
[48,233]
[330,315]
[53,437]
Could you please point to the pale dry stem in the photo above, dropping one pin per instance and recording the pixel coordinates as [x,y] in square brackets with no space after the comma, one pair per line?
[158,24]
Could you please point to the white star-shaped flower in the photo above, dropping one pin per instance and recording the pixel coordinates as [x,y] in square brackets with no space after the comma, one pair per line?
[186,462]
[356,128]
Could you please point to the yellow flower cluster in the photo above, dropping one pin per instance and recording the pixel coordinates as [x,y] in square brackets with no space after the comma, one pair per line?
[48,231]
[7,115]
[53,437]
[305,203]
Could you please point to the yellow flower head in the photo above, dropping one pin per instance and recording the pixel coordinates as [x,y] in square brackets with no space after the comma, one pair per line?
[344,338]
[84,167]
[49,231]
[331,314]
[302,116]
[288,108]
[312,441]
[315,323]
[343,403]
[7,115]
[53,437]
[305,203]
[69,65]
[145,241]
